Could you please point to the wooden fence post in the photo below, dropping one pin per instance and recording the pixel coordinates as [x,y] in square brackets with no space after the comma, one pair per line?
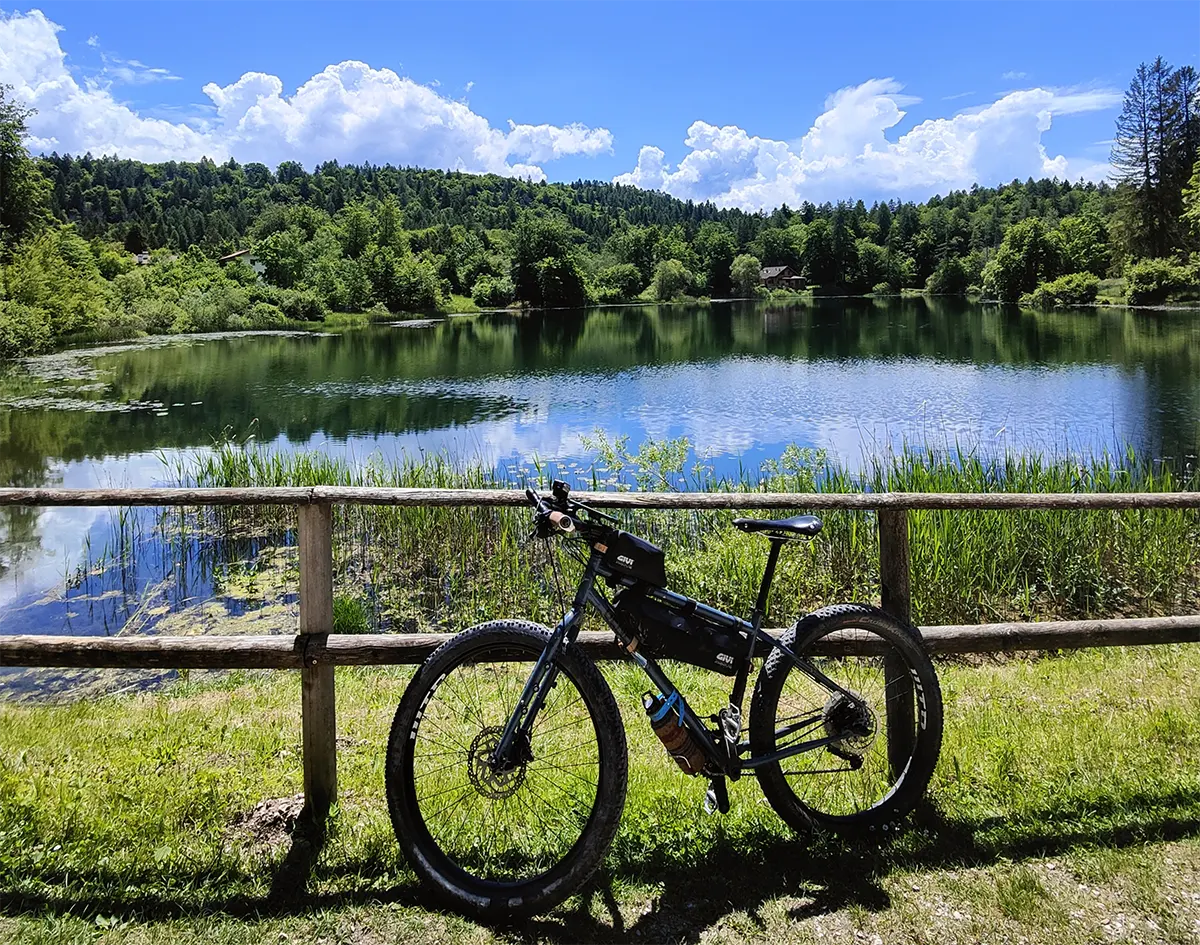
[896,599]
[318,720]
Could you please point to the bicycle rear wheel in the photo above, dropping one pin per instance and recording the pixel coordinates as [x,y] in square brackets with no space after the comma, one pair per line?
[505,842]
[849,784]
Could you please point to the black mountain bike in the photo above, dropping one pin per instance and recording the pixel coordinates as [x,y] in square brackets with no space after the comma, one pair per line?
[507,764]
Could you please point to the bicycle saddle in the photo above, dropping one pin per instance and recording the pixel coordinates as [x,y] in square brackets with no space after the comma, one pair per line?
[796,525]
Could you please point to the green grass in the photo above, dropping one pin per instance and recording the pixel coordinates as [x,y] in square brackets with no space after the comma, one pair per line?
[1068,793]
[1068,796]
[460,305]
[340,321]
[350,614]
[343,321]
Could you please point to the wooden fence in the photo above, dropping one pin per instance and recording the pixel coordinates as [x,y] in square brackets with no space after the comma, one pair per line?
[316,650]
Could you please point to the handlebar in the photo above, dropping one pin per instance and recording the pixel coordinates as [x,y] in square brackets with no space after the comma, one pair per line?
[563,522]
[559,521]
[537,502]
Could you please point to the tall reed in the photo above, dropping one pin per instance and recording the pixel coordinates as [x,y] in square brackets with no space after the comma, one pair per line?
[427,568]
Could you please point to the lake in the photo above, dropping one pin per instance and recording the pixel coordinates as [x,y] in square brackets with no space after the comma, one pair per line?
[740,380]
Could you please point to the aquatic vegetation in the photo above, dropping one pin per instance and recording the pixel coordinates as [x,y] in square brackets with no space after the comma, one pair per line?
[428,568]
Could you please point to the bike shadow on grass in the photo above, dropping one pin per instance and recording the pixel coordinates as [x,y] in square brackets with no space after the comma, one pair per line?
[808,877]
[803,876]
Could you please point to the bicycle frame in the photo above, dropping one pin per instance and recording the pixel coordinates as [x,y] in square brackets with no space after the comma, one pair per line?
[724,758]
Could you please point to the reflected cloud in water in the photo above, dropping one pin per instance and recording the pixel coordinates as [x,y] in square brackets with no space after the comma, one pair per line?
[741,381]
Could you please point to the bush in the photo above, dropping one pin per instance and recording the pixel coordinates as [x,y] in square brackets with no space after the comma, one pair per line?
[881,288]
[266,315]
[949,278]
[301,306]
[1153,280]
[493,291]
[56,273]
[111,259]
[24,329]
[119,324]
[619,283]
[1078,288]
[157,315]
[211,309]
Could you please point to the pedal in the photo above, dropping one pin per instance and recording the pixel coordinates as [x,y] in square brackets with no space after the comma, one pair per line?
[716,798]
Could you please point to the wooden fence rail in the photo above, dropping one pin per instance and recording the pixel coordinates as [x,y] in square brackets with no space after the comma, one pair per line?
[450,498]
[316,650]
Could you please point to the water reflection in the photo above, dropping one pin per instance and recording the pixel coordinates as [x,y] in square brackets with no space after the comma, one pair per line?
[859,359]
[741,380]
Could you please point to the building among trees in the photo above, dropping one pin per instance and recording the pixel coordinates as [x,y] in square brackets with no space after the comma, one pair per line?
[780,277]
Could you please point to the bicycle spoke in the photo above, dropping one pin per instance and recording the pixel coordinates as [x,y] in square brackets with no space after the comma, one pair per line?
[841,788]
[504,823]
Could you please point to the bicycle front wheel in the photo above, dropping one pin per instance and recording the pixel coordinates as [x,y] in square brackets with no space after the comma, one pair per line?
[512,842]
[869,767]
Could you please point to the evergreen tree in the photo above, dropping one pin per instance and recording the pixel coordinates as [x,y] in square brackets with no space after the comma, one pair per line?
[1164,133]
[1132,156]
[1191,205]
[1184,90]
[1157,139]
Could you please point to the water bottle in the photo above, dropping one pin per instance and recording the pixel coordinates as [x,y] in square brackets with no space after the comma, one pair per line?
[667,721]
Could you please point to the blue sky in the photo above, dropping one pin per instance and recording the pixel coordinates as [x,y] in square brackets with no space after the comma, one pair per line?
[749,105]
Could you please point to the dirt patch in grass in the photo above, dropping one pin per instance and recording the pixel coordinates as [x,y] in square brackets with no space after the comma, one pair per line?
[269,823]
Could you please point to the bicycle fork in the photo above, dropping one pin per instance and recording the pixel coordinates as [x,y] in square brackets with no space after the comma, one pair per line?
[513,748]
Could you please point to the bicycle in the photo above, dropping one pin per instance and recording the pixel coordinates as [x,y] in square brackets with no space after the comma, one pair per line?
[507,765]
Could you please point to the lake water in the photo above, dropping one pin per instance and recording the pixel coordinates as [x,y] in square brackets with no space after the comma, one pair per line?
[740,380]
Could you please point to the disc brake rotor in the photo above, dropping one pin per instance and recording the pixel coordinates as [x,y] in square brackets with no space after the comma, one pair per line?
[491,780]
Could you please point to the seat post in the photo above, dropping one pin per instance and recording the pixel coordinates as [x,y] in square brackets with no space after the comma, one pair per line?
[756,621]
[764,589]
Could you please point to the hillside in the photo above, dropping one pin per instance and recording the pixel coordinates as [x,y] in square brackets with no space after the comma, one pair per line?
[386,240]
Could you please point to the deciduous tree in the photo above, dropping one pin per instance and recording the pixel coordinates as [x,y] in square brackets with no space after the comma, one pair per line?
[543,251]
[24,191]
[745,273]
[1029,255]
[671,279]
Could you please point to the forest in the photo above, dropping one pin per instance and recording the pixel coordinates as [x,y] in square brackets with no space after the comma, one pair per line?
[108,248]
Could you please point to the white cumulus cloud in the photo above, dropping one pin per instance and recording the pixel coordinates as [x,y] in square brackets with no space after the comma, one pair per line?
[847,152]
[349,112]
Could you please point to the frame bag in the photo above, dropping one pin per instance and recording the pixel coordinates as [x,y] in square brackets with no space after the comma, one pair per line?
[662,633]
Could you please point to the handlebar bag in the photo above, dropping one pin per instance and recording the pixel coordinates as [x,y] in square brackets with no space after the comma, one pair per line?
[634,557]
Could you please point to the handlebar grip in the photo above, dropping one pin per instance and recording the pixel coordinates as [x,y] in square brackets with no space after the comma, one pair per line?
[538,502]
[562,522]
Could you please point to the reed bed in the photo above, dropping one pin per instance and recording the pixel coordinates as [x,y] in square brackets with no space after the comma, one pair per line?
[445,569]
